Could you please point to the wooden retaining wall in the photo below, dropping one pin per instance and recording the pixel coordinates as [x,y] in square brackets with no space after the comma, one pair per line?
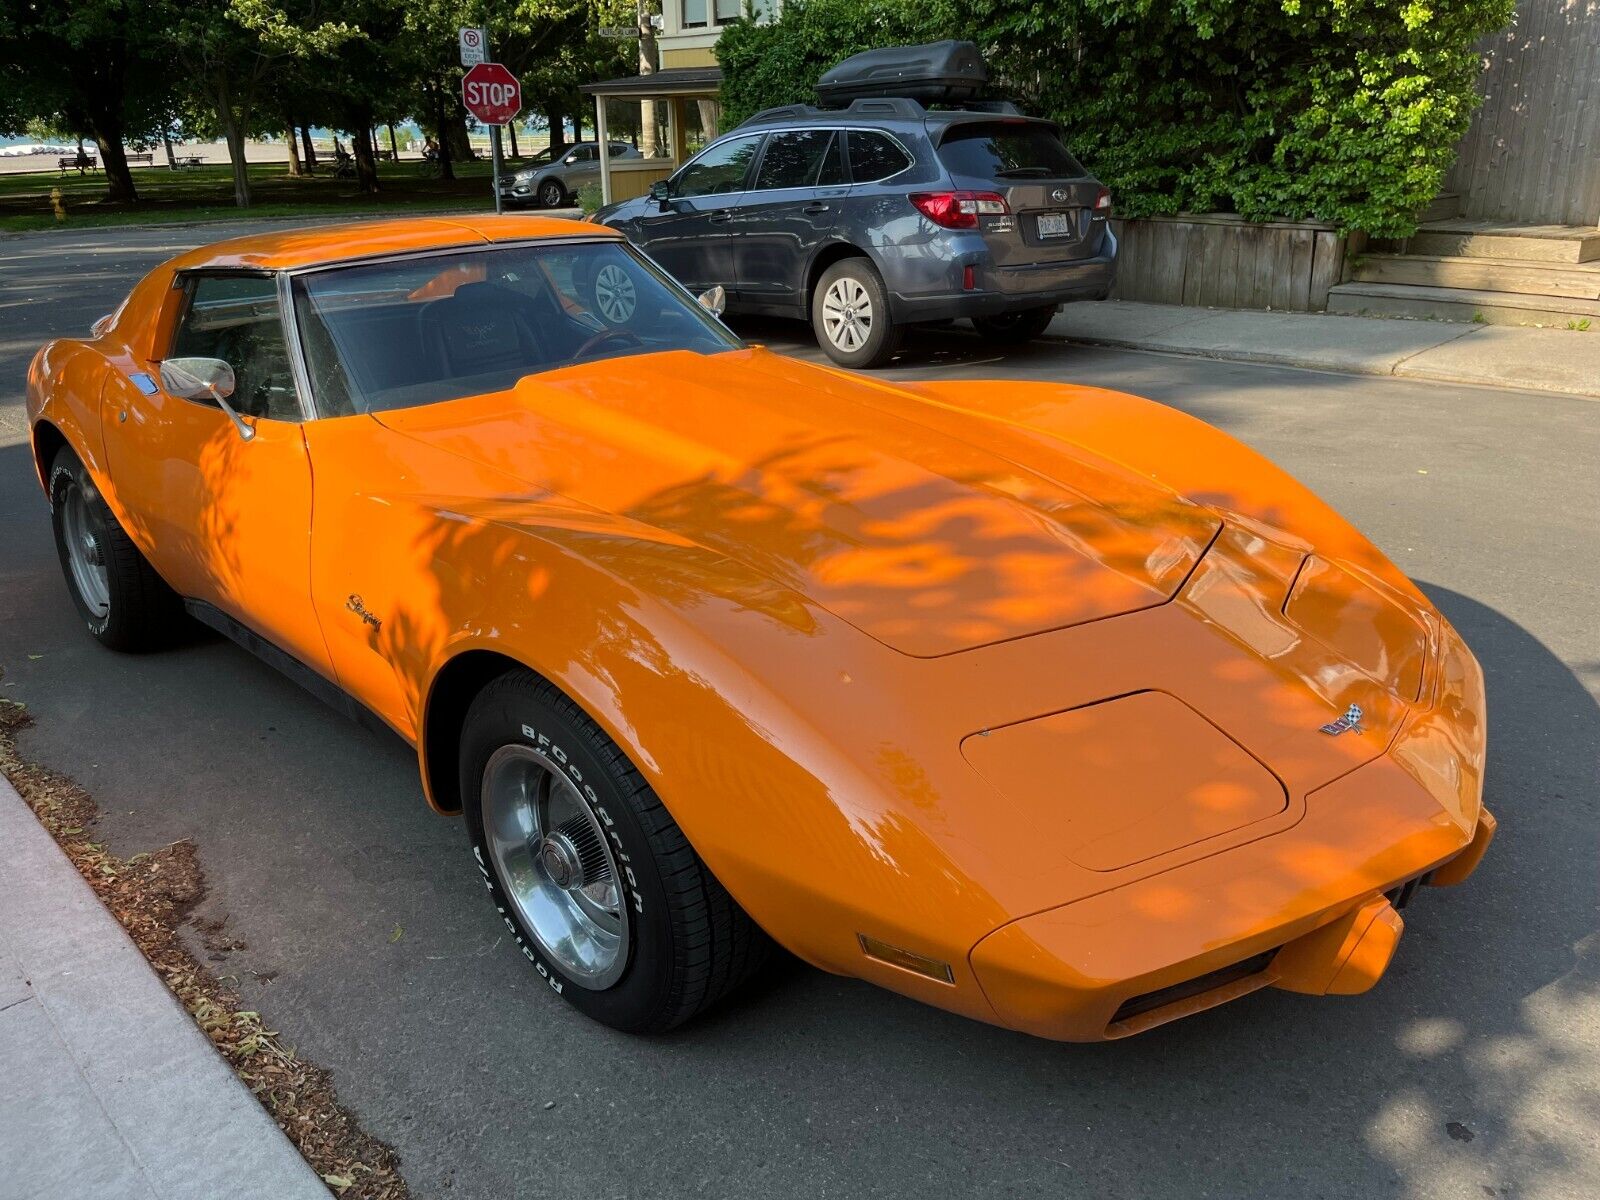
[1228,262]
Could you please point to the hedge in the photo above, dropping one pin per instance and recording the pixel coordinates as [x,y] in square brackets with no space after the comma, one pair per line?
[1345,111]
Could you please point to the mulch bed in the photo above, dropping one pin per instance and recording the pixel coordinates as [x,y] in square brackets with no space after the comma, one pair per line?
[154,895]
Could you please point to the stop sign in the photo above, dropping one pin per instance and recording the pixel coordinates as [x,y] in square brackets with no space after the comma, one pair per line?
[491,93]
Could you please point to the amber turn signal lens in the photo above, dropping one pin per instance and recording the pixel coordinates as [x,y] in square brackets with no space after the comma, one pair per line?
[906,960]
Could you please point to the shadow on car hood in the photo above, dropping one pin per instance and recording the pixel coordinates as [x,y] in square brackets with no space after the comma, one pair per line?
[829,484]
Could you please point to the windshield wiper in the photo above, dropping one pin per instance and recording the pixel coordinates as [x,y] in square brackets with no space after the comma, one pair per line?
[1023,173]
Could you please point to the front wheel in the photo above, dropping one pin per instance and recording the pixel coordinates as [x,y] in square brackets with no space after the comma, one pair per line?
[850,314]
[116,591]
[551,193]
[1014,328]
[596,882]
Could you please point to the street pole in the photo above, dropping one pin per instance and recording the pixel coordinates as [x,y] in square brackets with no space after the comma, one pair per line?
[494,148]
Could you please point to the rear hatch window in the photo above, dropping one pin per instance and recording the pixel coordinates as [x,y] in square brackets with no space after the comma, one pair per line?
[1004,151]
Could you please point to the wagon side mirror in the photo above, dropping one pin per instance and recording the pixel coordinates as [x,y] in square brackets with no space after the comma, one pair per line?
[661,192]
[713,300]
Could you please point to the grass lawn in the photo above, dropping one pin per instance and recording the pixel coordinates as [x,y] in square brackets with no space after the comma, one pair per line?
[203,193]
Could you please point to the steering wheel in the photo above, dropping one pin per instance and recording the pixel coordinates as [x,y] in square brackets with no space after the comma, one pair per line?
[625,336]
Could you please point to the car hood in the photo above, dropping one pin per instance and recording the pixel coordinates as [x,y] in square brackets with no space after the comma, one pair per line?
[857,494]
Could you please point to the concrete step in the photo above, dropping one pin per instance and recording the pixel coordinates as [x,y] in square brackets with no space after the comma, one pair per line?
[1577,280]
[1445,206]
[1461,304]
[1492,239]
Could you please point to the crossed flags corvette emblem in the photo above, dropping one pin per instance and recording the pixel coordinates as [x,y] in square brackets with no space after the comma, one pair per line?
[1351,720]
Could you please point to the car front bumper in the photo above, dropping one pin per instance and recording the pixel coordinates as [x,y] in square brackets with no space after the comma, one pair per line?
[1313,909]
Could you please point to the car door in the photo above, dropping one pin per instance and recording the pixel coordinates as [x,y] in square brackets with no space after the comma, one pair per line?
[788,211]
[687,233]
[583,167]
[224,520]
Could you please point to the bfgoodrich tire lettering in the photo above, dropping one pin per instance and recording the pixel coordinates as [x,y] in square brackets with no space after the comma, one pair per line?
[686,942]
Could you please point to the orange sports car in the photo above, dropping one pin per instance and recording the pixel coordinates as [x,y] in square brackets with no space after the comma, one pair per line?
[1043,704]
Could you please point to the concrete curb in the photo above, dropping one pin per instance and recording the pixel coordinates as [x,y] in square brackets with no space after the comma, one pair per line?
[1552,361]
[109,1088]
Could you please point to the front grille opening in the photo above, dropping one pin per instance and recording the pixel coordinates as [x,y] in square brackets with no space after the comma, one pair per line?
[1210,981]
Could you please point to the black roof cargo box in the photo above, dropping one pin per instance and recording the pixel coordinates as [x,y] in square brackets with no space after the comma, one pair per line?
[934,72]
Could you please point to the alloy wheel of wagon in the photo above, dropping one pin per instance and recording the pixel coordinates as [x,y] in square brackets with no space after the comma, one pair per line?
[594,879]
[122,600]
[850,314]
[551,193]
[614,294]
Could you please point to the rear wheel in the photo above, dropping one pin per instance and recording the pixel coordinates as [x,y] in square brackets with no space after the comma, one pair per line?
[1014,328]
[551,193]
[850,314]
[596,882]
[121,599]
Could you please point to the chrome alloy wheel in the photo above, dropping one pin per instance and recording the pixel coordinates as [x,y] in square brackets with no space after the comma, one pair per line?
[847,314]
[614,294]
[552,858]
[85,555]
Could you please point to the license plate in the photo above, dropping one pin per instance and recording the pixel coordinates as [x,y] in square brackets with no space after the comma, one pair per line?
[1055,224]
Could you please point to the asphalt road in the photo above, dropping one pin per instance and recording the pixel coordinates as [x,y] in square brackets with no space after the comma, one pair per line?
[1470,1071]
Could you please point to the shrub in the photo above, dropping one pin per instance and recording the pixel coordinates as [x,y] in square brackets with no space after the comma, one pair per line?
[1346,111]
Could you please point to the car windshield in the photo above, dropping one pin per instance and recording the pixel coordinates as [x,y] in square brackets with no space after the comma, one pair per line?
[1003,150]
[436,327]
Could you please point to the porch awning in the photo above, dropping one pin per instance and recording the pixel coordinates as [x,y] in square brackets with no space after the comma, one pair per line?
[673,81]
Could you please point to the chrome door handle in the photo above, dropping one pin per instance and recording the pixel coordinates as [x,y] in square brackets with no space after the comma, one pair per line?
[815,208]
[721,215]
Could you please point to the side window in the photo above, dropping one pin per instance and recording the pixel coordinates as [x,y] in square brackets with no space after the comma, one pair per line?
[791,159]
[588,154]
[720,169]
[830,171]
[236,318]
[873,156]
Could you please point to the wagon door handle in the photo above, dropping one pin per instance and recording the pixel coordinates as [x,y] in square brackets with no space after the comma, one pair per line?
[816,206]
[721,215]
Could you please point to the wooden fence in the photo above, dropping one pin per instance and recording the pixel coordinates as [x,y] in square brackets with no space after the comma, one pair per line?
[1532,154]
[1228,262]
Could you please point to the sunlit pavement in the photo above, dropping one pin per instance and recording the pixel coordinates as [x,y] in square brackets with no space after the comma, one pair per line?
[1469,1071]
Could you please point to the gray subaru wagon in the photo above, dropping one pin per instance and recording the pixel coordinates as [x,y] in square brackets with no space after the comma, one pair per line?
[882,215]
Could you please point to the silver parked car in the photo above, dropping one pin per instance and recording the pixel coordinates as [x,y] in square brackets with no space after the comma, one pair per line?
[556,183]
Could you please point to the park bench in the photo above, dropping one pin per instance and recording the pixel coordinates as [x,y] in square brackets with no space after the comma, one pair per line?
[144,156]
[69,162]
[187,160]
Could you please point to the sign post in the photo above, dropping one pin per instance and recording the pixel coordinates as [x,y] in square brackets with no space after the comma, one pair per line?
[492,94]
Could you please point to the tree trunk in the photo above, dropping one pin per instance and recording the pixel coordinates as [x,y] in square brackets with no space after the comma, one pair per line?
[557,120]
[293,142]
[366,158]
[114,161]
[647,66]
[309,151]
[447,168]
[511,129]
[394,146]
[455,134]
[233,131]
[166,144]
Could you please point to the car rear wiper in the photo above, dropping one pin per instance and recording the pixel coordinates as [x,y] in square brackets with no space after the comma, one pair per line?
[1023,173]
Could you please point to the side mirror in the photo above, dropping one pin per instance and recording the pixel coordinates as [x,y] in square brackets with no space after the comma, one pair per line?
[205,379]
[660,192]
[713,300]
[198,378]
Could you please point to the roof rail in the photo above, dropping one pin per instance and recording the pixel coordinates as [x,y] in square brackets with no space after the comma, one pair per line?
[782,113]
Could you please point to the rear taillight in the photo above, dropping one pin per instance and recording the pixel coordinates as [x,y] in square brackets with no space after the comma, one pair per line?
[958,210]
[1102,204]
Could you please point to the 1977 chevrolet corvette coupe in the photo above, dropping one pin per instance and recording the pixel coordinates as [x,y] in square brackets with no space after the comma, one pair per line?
[1043,704]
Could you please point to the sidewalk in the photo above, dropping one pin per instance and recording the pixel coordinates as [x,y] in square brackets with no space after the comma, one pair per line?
[1547,360]
[107,1087]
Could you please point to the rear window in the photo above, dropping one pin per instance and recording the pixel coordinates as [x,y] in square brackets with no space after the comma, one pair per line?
[874,157]
[1007,151]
